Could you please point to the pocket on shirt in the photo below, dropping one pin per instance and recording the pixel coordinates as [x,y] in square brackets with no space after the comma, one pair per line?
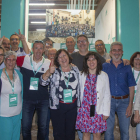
[122,77]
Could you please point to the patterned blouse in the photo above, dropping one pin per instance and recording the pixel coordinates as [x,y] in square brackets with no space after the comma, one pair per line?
[57,85]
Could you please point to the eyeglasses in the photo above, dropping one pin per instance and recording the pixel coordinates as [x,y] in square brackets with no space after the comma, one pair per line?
[136,59]
[10,60]
[1,55]
[16,39]
[60,57]
[47,44]
[114,50]
[99,45]
[81,41]
[38,41]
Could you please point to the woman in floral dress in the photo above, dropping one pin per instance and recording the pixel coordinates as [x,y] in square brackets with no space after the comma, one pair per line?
[95,98]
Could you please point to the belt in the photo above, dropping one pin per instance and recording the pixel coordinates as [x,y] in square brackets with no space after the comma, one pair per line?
[120,97]
[69,103]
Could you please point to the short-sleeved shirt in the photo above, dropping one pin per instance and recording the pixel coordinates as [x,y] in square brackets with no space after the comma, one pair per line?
[2,65]
[120,78]
[78,59]
[20,52]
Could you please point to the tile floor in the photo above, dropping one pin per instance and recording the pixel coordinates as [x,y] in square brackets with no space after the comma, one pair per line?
[34,133]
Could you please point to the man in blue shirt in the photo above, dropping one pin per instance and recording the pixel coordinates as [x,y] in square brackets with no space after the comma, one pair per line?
[122,84]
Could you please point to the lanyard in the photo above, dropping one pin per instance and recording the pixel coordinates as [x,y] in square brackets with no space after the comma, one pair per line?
[137,76]
[66,81]
[33,66]
[10,80]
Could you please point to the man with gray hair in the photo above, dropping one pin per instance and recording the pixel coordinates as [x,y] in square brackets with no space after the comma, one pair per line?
[100,48]
[70,43]
[122,84]
[51,54]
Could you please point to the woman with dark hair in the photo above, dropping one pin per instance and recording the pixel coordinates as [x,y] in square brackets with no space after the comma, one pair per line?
[135,64]
[95,98]
[64,95]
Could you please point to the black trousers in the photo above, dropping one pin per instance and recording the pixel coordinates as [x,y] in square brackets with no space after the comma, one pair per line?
[63,121]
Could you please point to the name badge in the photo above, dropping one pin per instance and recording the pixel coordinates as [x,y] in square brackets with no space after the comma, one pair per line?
[34,83]
[67,95]
[13,100]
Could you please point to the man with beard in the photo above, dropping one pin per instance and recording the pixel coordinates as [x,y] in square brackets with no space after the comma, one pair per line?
[122,84]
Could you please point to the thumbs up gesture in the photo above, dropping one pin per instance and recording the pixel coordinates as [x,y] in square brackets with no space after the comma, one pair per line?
[52,67]
[51,70]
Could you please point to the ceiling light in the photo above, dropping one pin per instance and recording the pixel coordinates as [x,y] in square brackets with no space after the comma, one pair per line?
[40,29]
[37,14]
[41,4]
[38,22]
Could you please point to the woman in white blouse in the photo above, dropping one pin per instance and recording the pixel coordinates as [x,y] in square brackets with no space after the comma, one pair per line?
[135,63]
[11,92]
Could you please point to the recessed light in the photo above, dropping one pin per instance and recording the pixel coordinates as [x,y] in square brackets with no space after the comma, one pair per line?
[38,22]
[41,4]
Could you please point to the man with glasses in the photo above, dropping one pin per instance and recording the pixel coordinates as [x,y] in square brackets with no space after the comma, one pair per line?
[48,45]
[70,43]
[122,84]
[14,42]
[35,96]
[78,58]
[100,48]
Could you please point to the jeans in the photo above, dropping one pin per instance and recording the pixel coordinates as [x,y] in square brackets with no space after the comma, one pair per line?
[138,131]
[119,106]
[48,122]
[41,106]
[80,135]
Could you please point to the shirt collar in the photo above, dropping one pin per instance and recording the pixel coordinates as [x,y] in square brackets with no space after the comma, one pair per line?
[121,64]
[37,62]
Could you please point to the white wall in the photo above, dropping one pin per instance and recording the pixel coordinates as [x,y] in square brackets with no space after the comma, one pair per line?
[105,24]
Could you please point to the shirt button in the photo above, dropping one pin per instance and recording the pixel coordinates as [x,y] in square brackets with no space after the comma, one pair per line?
[98,98]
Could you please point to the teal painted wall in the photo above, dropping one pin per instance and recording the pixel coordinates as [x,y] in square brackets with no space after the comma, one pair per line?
[107,46]
[129,26]
[12,17]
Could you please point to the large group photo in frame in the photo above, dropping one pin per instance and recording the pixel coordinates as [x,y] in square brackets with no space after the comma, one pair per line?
[64,23]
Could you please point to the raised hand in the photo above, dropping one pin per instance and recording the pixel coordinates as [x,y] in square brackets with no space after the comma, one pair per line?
[1,39]
[21,36]
[52,67]
[51,70]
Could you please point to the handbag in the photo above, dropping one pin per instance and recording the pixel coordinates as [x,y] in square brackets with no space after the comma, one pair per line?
[133,123]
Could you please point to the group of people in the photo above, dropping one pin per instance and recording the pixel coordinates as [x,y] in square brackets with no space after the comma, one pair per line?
[76,89]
